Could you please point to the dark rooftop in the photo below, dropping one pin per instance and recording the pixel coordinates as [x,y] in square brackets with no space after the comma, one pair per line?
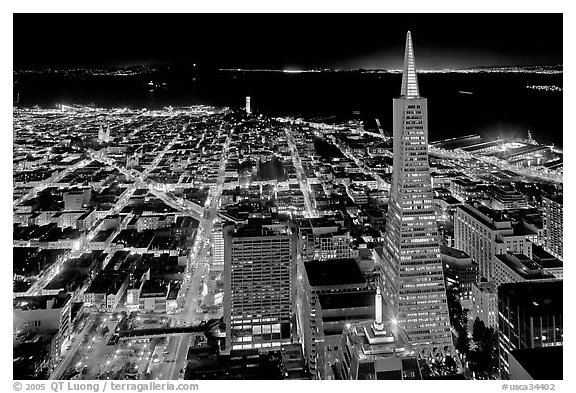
[544,258]
[524,266]
[42,302]
[485,213]
[347,299]
[453,252]
[541,363]
[334,272]
[558,198]
[153,288]
[536,297]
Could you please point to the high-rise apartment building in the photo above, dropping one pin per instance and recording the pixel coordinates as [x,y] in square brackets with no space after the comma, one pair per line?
[413,280]
[259,271]
[553,225]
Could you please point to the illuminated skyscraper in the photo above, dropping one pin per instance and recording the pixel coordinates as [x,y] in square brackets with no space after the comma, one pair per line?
[413,280]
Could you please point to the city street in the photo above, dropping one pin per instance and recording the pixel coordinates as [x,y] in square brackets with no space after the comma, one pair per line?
[198,270]
[301,175]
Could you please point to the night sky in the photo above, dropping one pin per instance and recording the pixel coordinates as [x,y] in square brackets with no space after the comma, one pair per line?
[286,41]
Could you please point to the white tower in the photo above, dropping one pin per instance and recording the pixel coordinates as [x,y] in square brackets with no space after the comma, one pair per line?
[248,109]
[378,324]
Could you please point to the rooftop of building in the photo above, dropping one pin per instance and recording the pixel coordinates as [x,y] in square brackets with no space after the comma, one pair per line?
[206,363]
[353,299]
[464,182]
[21,286]
[558,198]
[524,266]
[42,302]
[261,227]
[186,222]
[541,363]
[536,297]
[486,287]
[533,219]
[453,252]
[102,235]
[318,222]
[293,363]
[522,230]
[483,145]
[370,343]
[153,288]
[504,189]
[449,199]
[544,258]
[486,215]
[107,282]
[334,272]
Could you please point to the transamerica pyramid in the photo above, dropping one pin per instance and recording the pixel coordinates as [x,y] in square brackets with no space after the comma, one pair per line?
[412,276]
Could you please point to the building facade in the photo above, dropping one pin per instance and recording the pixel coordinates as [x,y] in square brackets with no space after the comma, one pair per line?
[483,233]
[553,225]
[485,303]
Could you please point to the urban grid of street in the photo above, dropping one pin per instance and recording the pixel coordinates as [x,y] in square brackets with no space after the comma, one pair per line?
[190,294]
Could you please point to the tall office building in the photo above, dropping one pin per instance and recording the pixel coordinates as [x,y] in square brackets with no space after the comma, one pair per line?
[553,225]
[413,280]
[259,271]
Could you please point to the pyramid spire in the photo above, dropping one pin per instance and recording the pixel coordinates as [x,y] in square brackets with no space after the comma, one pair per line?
[409,80]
